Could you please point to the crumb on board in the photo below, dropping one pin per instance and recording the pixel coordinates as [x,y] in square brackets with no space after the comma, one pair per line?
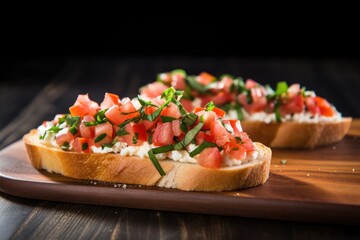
[283,161]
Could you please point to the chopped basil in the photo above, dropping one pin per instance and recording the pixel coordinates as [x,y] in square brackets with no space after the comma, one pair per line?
[163,149]
[189,119]
[100,137]
[73,130]
[199,149]
[281,88]
[100,116]
[72,121]
[155,162]
[190,135]
[239,112]
[183,127]
[90,124]
[121,132]
[55,129]
[84,146]
[145,103]
[210,106]
[277,111]
[149,139]
[167,119]
[249,99]
[238,85]
[65,146]
[194,84]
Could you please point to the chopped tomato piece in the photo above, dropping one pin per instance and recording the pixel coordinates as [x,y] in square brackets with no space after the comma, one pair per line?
[110,99]
[205,78]
[171,110]
[207,117]
[221,98]
[221,113]
[63,137]
[79,110]
[163,134]
[324,106]
[113,114]
[178,82]
[312,106]
[105,132]
[199,109]
[209,157]
[219,133]
[250,84]
[235,125]
[293,105]
[176,127]
[187,104]
[153,90]
[82,145]
[258,99]
[201,136]
[225,84]
[140,129]
[235,150]
[205,99]
[87,132]
[84,106]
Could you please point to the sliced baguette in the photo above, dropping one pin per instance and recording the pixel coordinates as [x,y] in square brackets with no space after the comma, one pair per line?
[295,134]
[134,170]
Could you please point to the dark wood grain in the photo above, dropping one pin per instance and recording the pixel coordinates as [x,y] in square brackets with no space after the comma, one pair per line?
[314,185]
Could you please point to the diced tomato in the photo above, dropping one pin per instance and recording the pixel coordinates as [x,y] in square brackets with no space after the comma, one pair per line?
[293,105]
[201,136]
[87,132]
[119,114]
[220,134]
[110,99]
[235,125]
[235,150]
[293,90]
[225,84]
[205,99]
[128,138]
[140,129]
[207,117]
[83,145]
[176,127]
[199,109]
[312,106]
[153,90]
[258,100]
[324,106]
[210,158]
[79,110]
[205,78]
[150,124]
[250,84]
[178,82]
[187,104]
[84,106]
[246,142]
[114,116]
[62,137]
[165,77]
[171,110]
[222,98]
[163,134]
[104,128]
[221,113]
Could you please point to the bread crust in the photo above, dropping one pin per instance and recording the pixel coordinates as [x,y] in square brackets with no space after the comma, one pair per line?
[295,134]
[135,170]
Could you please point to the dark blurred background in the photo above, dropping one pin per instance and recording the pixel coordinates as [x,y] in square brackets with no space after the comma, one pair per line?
[44,68]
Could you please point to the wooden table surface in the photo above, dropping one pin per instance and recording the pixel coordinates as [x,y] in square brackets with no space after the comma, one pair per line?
[38,89]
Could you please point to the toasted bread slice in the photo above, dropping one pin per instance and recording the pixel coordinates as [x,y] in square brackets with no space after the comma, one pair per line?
[112,167]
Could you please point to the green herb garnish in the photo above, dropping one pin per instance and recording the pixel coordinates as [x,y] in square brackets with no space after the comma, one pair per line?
[167,119]
[210,106]
[194,84]
[135,138]
[100,137]
[84,146]
[199,149]
[65,146]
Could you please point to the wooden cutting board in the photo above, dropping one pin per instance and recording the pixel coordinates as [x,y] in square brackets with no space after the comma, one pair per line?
[321,185]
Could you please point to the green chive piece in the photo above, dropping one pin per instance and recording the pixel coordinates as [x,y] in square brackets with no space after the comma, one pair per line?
[65,146]
[179,71]
[167,119]
[281,88]
[90,124]
[210,106]
[156,163]
[135,138]
[190,135]
[121,132]
[199,149]
[73,130]
[100,137]
[84,146]
[194,84]
[189,119]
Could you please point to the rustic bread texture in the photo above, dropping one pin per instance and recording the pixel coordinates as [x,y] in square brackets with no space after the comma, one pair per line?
[295,134]
[135,170]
